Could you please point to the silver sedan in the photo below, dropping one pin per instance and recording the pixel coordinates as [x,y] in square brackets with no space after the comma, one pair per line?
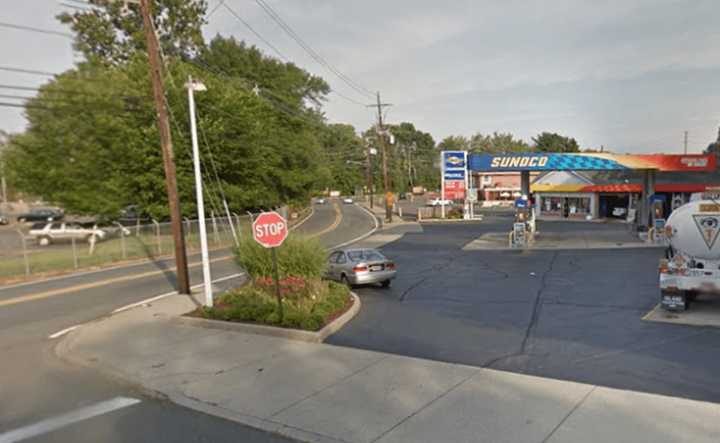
[360,266]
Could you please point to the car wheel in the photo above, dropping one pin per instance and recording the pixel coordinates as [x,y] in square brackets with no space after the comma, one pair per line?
[385,284]
[44,241]
[344,280]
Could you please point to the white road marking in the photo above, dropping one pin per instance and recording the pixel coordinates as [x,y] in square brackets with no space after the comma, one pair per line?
[63,332]
[60,421]
[168,294]
[364,236]
[297,225]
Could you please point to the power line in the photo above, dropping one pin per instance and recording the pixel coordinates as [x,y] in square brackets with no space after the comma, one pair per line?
[257,34]
[317,57]
[273,47]
[27,71]
[32,29]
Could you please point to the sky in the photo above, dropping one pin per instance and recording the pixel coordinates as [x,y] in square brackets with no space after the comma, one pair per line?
[629,75]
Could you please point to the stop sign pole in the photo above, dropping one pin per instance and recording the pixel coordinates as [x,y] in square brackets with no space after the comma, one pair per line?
[270,230]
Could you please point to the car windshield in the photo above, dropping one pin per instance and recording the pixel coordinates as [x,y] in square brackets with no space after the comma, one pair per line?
[364,255]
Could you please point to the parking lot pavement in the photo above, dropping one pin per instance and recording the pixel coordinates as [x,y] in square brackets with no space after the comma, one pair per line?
[565,314]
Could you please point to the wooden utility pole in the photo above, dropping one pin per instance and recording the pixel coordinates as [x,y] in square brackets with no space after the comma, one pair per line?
[183,278]
[369,175]
[381,140]
[686,134]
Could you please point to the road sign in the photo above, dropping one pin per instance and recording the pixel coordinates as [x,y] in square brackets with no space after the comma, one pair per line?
[270,229]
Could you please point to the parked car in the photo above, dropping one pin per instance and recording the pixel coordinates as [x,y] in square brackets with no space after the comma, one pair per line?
[46,233]
[321,201]
[132,215]
[348,200]
[4,220]
[439,202]
[41,214]
[360,266]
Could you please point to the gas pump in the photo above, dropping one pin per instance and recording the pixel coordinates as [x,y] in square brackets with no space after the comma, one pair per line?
[524,224]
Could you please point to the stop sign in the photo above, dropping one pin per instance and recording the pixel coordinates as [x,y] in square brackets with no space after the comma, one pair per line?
[270,229]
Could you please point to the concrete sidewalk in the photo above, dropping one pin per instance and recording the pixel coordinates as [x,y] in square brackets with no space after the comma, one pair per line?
[324,393]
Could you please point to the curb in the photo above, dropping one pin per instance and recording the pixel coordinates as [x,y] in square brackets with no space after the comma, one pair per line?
[450,220]
[274,331]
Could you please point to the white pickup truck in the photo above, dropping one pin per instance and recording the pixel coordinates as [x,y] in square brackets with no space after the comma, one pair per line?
[692,263]
[46,233]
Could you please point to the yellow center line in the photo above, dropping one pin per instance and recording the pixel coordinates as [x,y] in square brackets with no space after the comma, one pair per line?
[54,292]
[335,224]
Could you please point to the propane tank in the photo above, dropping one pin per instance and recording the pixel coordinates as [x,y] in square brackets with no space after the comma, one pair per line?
[693,230]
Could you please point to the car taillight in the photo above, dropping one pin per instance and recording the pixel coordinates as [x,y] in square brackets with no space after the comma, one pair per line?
[390,265]
[360,268]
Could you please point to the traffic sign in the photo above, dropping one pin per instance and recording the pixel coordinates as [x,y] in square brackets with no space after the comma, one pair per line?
[270,229]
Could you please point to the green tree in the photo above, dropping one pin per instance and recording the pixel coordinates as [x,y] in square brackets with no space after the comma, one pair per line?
[497,143]
[111,32]
[454,143]
[414,157]
[344,158]
[553,142]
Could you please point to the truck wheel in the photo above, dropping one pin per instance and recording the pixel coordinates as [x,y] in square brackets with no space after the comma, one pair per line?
[44,241]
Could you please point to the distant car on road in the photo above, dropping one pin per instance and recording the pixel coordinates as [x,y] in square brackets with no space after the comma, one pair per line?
[41,214]
[321,201]
[360,266]
[132,215]
[4,220]
[46,233]
[439,202]
[348,200]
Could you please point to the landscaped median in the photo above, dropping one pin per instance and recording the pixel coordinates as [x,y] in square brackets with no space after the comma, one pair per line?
[309,308]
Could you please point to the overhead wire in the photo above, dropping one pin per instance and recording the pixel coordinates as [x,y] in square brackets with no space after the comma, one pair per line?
[273,14]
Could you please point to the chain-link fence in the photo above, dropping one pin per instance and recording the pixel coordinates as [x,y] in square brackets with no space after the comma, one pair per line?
[24,254]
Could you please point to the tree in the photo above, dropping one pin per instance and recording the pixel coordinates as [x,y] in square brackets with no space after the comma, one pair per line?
[497,143]
[454,143]
[111,32]
[552,142]
[344,158]
[413,159]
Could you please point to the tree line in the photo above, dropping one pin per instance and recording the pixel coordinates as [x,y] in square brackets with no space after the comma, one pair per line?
[91,144]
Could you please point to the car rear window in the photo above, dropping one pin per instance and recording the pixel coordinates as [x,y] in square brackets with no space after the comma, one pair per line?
[365,256]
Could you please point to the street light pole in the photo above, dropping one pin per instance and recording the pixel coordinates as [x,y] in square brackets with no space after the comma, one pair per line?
[193,86]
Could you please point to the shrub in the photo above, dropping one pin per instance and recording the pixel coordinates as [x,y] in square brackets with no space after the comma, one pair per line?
[308,305]
[297,256]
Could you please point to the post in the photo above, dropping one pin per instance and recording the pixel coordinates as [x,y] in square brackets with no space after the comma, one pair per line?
[207,279]
[74,250]
[525,183]
[381,140]
[442,186]
[25,254]
[215,228]
[122,242]
[157,236]
[276,277]
[686,136]
[369,176]
[232,225]
[167,151]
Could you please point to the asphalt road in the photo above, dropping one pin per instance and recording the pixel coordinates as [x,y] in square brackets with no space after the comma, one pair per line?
[35,385]
[570,314]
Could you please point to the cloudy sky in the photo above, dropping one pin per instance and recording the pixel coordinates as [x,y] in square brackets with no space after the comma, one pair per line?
[631,75]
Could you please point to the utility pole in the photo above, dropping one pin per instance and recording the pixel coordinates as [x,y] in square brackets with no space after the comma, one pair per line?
[369,176]
[686,134]
[193,86]
[381,140]
[167,150]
